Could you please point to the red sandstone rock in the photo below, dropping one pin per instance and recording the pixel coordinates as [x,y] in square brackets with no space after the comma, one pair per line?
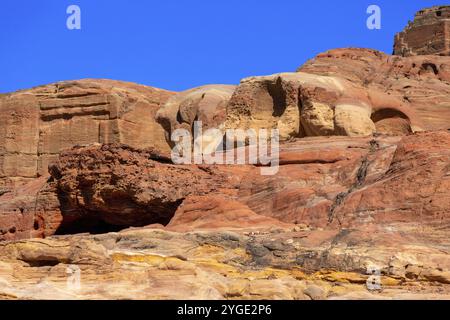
[414,188]
[24,210]
[112,187]
[336,206]
[316,104]
[323,182]
[206,104]
[429,33]
[420,83]
[218,212]
[37,124]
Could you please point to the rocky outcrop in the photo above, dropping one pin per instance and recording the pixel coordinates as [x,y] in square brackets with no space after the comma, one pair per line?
[361,195]
[36,124]
[418,83]
[338,207]
[429,33]
[303,264]
[111,187]
[349,182]
[206,104]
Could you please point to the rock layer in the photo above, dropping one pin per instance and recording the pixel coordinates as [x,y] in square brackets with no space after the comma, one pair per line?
[37,124]
[279,264]
[418,83]
[322,182]
[429,33]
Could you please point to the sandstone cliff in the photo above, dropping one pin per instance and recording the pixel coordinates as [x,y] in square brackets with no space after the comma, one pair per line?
[87,182]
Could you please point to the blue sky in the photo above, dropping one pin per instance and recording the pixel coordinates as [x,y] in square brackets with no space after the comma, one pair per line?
[179,44]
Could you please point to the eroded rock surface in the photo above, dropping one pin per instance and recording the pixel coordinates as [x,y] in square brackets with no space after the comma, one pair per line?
[363,186]
[300,264]
[419,83]
[116,186]
[323,182]
[306,104]
[206,104]
[36,124]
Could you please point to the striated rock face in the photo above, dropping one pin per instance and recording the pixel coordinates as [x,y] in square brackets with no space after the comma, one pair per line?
[419,83]
[36,124]
[299,264]
[206,104]
[429,33]
[349,182]
[308,104]
[111,187]
[363,184]
[337,206]
[322,182]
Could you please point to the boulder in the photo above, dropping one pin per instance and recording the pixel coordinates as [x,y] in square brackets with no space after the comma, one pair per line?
[110,187]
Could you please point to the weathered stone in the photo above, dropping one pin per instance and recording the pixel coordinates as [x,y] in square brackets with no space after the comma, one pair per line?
[110,187]
[132,225]
[156,264]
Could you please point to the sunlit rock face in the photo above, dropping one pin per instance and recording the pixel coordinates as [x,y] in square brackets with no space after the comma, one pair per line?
[37,124]
[88,186]
[304,104]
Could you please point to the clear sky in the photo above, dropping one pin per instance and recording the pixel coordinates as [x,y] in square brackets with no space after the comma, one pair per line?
[180,44]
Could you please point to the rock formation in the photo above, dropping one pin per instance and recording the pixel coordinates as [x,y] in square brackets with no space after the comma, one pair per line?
[37,124]
[306,104]
[87,182]
[429,33]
